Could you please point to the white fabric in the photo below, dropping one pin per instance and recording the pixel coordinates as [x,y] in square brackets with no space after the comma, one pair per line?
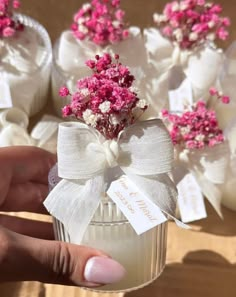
[210,168]
[45,133]
[200,66]
[21,58]
[13,130]
[83,156]
[226,115]
[226,83]
[72,53]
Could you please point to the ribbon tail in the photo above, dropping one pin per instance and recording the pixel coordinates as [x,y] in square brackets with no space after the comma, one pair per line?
[161,191]
[211,192]
[45,133]
[202,68]
[74,204]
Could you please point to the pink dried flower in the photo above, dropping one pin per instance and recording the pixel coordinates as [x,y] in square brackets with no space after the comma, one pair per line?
[106,100]
[189,23]
[225,99]
[8,32]
[100,21]
[214,92]
[16,4]
[196,128]
[63,92]
[8,24]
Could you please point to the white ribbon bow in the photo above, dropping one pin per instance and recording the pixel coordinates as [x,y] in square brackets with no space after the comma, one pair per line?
[144,152]
[209,166]
[200,66]
[13,130]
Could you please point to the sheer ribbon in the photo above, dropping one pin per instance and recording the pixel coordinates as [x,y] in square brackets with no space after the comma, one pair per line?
[13,130]
[143,152]
[200,66]
[210,168]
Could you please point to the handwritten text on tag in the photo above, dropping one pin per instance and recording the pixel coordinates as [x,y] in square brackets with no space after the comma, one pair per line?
[140,211]
[190,200]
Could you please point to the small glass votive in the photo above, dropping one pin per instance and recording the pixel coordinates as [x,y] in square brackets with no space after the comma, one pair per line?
[29,90]
[143,256]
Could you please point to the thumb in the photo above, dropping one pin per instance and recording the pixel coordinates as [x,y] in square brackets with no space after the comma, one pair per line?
[24,258]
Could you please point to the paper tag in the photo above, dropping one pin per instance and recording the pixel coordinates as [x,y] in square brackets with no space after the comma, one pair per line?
[140,211]
[190,200]
[5,93]
[181,98]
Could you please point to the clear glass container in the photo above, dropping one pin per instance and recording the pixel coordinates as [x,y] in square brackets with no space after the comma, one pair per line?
[39,79]
[143,256]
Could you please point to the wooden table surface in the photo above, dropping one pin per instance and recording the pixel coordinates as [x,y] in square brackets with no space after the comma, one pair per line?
[200,262]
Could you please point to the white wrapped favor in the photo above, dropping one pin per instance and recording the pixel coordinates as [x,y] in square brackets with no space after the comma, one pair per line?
[182,47]
[25,66]
[112,189]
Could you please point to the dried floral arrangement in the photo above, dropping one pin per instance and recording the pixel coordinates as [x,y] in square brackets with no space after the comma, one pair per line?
[106,100]
[197,127]
[101,22]
[9,25]
[190,23]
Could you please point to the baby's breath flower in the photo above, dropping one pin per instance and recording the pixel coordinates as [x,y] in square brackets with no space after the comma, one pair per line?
[106,100]
[197,128]
[142,103]
[191,23]
[90,118]
[101,22]
[105,106]
[8,24]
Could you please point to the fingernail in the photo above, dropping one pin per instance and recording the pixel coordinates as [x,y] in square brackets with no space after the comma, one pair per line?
[102,270]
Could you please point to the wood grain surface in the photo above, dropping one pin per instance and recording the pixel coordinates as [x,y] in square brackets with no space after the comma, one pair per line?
[200,262]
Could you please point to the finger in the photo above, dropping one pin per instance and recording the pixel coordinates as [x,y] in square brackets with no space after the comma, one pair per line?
[26,197]
[54,262]
[26,163]
[27,227]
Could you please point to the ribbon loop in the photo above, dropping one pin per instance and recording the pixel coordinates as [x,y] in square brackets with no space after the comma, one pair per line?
[200,66]
[77,155]
[146,148]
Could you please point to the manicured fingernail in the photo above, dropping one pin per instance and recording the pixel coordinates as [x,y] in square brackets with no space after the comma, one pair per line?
[102,270]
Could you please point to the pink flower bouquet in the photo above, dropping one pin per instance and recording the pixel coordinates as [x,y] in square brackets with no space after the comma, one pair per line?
[202,156]
[97,27]
[182,47]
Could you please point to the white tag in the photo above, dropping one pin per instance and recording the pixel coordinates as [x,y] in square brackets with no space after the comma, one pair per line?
[181,98]
[140,211]
[190,200]
[5,93]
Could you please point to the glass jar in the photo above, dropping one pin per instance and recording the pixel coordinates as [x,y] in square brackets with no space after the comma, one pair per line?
[143,256]
[29,90]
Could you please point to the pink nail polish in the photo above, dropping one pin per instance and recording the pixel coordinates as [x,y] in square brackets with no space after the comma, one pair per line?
[102,270]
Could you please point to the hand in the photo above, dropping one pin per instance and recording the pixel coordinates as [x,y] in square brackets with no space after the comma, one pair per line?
[26,253]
